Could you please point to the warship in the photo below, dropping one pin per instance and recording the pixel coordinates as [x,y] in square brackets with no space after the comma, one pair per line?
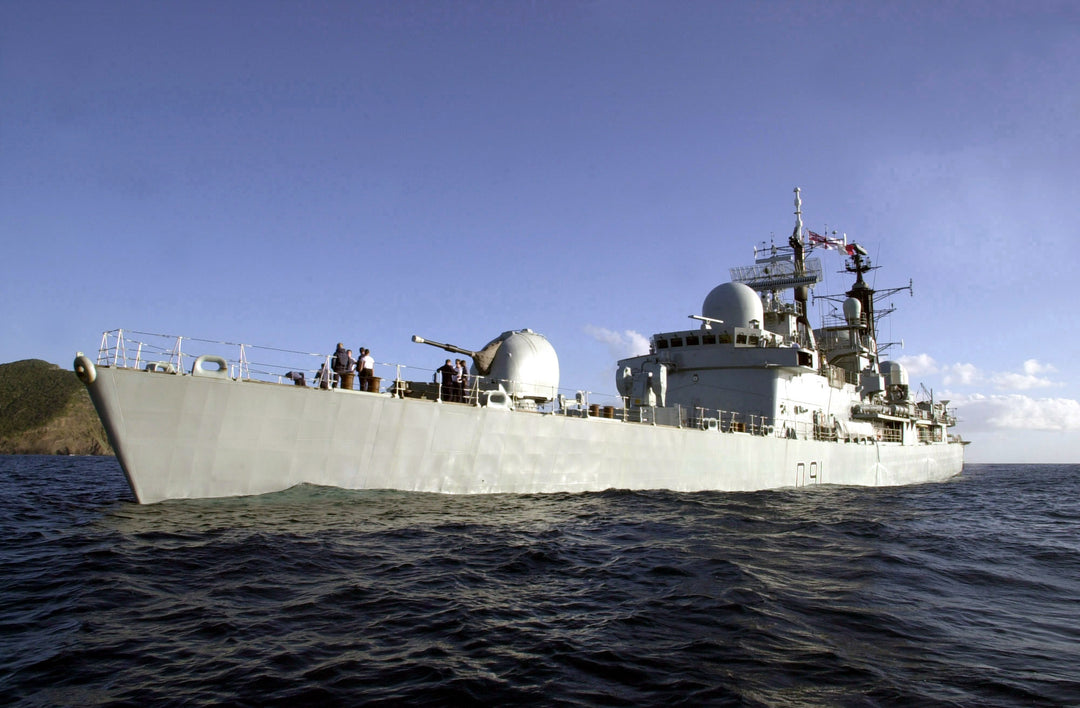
[750,397]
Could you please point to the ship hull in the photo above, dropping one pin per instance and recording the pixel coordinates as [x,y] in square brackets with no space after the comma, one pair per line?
[184,436]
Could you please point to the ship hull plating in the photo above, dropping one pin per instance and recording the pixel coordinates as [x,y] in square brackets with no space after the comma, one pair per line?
[182,436]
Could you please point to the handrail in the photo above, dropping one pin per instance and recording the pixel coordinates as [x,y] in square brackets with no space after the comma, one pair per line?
[272,364]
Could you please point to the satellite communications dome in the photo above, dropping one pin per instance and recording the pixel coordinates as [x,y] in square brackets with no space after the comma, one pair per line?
[735,304]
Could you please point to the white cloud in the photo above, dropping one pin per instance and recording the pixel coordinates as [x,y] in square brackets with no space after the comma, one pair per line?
[1015,412]
[919,365]
[1019,382]
[962,375]
[970,375]
[1033,367]
[621,344]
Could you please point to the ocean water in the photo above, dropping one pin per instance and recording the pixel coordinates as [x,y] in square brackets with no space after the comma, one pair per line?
[965,593]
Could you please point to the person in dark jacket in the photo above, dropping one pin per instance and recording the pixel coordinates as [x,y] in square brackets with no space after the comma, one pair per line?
[447,370]
[339,363]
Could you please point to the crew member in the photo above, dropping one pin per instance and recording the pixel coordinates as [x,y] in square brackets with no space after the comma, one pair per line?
[339,363]
[366,366]
[447,370]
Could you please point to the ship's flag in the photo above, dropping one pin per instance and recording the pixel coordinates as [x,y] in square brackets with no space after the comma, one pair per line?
[825,242]
[851,248]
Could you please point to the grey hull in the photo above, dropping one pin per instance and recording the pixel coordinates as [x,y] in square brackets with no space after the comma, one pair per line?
[182,436]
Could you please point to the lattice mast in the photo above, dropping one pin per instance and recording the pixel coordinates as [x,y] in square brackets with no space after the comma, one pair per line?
[802,292]
[785,268]
[860,290]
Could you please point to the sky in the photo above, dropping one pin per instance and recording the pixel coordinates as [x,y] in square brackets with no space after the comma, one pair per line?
[296,174]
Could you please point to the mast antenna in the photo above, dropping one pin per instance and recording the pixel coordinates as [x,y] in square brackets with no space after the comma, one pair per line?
[798,215]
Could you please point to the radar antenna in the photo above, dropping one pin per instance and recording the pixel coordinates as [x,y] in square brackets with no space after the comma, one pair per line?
[783,268]
[868,297]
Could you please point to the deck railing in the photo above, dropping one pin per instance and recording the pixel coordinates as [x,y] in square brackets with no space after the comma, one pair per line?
[169,353]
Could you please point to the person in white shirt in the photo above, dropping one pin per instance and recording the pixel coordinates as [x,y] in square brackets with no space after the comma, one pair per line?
[460,378]
[366,366]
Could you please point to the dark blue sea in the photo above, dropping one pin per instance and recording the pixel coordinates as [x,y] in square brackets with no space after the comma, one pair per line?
[965,593]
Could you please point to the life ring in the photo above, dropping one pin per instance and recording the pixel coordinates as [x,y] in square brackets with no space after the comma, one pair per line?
[85,369]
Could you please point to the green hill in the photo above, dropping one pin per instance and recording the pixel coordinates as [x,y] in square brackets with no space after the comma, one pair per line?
[45,410]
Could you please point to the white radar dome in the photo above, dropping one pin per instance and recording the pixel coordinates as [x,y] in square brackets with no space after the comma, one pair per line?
[736,304]
[852,311]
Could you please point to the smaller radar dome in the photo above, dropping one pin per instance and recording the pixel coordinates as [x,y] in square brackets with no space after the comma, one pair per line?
[852,311]
[735,304]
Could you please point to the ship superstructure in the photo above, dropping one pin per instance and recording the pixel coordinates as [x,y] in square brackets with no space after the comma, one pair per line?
[756,358]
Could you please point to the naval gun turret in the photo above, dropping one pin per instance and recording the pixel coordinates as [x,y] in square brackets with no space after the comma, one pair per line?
[522,362]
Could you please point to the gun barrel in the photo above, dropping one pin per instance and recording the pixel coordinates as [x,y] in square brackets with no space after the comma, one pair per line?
[448,347]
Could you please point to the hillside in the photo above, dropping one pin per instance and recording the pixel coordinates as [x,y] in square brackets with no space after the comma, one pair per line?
[45,410]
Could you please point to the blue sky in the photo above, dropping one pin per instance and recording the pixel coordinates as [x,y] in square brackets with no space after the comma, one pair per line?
[301,173]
